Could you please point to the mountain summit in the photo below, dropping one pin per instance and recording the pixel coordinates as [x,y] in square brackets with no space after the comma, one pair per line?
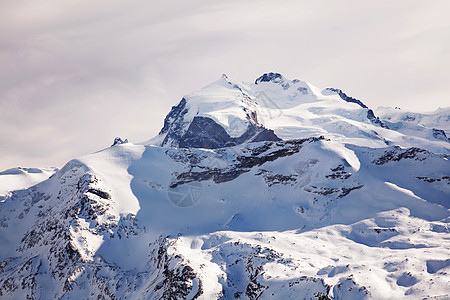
[228,112]
[273,189]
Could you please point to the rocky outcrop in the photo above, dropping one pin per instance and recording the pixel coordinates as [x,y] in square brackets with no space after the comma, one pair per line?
[174,124]
[439,134]
[119,141]
[375,120]
[346,98]
[396,154]
[256,156]
[279,79]
[204,132]
[370,114]
[269,77]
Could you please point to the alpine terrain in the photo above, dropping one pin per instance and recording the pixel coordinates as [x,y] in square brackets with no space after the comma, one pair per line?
[273,189]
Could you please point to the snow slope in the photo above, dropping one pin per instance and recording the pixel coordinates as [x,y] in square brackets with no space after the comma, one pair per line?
[22,178]
[433,125]
[309,216]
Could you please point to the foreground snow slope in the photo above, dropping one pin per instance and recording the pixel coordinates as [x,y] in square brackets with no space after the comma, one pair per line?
[310,217]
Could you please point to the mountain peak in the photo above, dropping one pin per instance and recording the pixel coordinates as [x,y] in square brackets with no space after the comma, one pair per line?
[248,174]
[270,77]
[219,115]
[229,112]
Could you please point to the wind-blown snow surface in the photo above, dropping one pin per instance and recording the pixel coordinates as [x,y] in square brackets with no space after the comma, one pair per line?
[309,217]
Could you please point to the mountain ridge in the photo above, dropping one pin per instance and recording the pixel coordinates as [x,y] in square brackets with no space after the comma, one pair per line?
[326,204]
[278,108]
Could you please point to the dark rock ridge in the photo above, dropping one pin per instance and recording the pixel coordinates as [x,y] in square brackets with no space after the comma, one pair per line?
[428,179]
[244,163]
[370,115]
[339,173]
[397,154]
[324,191]
[119,141]
[268,77]
[439,134]
[278,79]
[375,120]
[347,98]
[173,123]
[204,132]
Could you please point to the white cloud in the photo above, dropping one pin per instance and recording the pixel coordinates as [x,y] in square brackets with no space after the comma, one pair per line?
[74,74]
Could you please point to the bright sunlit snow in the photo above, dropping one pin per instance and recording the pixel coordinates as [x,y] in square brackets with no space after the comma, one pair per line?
[338,205]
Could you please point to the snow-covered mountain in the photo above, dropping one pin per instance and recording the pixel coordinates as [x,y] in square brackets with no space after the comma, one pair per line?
[22,178]
[270,190]
[432,126]
[228,112]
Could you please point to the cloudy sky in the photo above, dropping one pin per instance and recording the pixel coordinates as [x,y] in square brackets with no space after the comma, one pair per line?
[76,74]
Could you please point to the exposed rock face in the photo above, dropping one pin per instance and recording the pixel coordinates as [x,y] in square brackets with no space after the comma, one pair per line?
[205,133]
[267,77]
[375,120]
[396,154]
[347,98]
[370,114]
[119,141]
[173,123]
[439,134]
[270,151]
[279,79]
[58,247]
[428,179]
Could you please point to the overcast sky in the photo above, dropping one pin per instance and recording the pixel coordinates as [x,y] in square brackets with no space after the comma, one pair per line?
[76,74]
